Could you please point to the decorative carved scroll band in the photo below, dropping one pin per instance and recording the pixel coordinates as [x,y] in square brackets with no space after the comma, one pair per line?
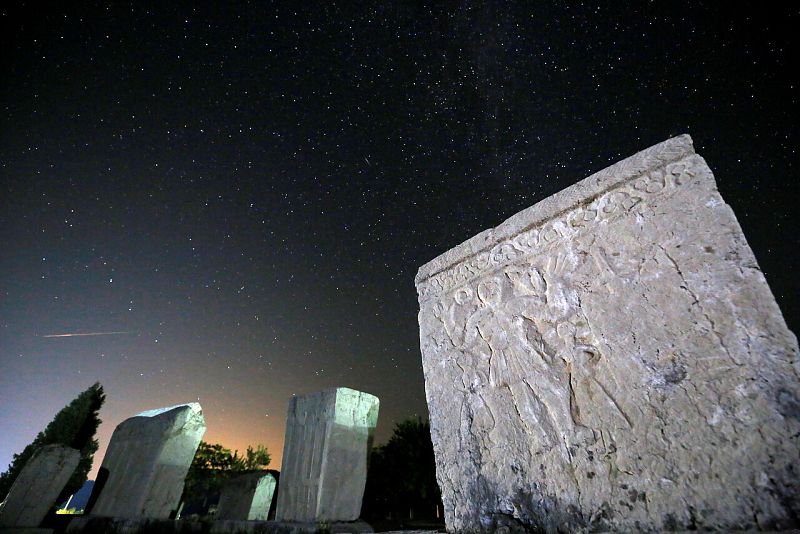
[606,207]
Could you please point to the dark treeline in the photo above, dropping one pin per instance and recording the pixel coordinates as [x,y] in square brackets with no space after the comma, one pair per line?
[401,479]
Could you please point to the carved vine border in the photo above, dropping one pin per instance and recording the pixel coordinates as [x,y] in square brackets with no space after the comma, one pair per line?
[607,206]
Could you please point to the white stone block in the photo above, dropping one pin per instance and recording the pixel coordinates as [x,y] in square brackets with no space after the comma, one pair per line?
[328,437]
[612,358]
[147,461]
[37,486]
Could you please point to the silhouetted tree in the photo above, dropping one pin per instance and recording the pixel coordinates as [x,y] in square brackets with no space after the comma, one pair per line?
[254,459]
[401,480]
[74,426]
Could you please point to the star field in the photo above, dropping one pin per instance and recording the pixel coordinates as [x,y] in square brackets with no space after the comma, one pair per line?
[248,190]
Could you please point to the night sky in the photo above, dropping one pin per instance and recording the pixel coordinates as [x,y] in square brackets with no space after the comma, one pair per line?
[247,191]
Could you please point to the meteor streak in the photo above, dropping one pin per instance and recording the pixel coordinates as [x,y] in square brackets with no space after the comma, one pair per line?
[78,334]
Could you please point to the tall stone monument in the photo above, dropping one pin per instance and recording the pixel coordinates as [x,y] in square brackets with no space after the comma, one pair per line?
[328,437]
[246,497]
[37,486]
[611,358]
[147,461]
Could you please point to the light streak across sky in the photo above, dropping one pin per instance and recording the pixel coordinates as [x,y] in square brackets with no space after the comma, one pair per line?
[80,334]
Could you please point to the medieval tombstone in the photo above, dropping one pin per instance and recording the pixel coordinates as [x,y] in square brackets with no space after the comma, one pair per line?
[612,358]
[328,437]
[37,486]
[147,460]
[246,497]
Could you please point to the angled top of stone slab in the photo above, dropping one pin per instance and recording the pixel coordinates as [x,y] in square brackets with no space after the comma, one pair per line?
[344,405]
[160,420]
[194,406]
[582,192]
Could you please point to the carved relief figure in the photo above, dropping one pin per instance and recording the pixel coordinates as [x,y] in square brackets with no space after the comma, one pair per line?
[525,350]
[492,322]
[491,331]
[592,402]
[539,303]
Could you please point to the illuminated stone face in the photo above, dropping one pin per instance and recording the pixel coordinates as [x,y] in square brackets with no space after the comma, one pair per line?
[611,358]
[37,486]
[147,461]
[328,437]
[246,498]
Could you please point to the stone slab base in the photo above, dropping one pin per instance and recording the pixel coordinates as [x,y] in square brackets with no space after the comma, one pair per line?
[91,525]
[285,527]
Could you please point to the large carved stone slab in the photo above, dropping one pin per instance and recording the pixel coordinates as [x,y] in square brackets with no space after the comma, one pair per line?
[328,437]
[246,498]
[37,486]
[612,358]
[147,460]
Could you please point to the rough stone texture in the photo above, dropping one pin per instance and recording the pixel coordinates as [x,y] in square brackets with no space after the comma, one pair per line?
[37,486]
[247,497]
[328,437]
[612,359]
[278,527]
[147,460]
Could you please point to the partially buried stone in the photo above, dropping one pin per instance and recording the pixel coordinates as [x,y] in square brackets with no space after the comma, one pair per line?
[328,437]
[147,460]
[247,497]
[612,359]
[37,486]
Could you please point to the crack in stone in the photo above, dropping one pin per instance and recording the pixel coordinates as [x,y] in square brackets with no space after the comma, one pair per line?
[615,403]
[574,411]
[685,286]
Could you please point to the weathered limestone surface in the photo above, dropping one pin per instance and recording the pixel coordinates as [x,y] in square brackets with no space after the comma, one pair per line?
[247,497]
[328,437]
[147,461]
[613,359]
[37,486]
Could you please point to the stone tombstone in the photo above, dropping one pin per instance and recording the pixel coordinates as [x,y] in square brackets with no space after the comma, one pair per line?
[612,358]
[37,486]
[328,437]
[247,497]
[147,461]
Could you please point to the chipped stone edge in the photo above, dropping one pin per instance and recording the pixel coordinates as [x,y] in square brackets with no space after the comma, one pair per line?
[663,153]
